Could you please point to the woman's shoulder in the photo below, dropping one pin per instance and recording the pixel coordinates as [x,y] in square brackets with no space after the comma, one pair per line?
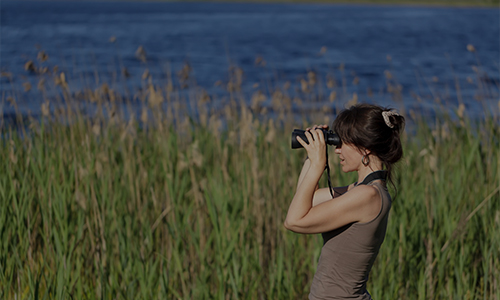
[369,201]
[367,192]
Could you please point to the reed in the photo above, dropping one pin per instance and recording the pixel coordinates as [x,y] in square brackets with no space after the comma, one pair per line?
[118,204]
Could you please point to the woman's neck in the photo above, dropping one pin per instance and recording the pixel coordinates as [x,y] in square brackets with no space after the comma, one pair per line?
[365,171]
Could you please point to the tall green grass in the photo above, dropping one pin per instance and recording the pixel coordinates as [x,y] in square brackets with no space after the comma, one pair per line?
[164,206]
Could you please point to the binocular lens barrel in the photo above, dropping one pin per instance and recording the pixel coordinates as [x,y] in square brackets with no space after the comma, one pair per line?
[330,138]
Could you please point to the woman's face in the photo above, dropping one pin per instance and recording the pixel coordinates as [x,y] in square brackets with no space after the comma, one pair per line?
[350,157]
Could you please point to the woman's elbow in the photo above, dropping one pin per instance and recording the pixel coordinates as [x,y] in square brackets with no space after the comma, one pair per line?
[287,224]
[290,226]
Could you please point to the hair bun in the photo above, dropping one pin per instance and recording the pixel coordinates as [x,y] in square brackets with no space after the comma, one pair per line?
[386,115]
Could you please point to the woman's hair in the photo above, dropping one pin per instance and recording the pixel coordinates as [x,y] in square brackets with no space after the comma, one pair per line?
[373,128]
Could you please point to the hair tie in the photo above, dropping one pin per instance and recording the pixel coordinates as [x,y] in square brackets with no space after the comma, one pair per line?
[386,115]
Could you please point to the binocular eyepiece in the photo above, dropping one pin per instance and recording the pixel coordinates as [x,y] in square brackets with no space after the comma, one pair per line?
[331,138]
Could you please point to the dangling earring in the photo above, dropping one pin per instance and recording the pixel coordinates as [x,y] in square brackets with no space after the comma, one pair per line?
[365,160]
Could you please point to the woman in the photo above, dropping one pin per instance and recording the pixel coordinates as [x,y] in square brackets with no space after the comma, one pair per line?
[354,221]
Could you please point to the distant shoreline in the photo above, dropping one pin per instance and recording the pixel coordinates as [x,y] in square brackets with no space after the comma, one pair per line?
[444,3]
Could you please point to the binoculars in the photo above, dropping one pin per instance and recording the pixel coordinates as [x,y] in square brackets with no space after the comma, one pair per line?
[331,138]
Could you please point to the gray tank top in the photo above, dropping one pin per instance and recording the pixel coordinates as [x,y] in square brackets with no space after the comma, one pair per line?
[348,255]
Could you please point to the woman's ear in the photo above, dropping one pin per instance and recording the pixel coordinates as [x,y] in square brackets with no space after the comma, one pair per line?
[364,151]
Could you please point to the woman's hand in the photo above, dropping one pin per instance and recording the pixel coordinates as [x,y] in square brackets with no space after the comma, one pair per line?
[316,146]
[323,126]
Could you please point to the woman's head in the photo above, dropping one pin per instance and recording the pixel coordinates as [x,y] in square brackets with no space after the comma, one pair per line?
[372,129]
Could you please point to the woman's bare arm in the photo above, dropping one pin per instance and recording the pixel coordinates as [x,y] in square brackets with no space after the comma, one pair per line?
[361,204]
[323,194]
[303,172]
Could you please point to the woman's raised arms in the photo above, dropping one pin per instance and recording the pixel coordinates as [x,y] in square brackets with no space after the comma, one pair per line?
[361,204]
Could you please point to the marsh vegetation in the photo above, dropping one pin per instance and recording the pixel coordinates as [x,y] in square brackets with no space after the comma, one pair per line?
[184,198]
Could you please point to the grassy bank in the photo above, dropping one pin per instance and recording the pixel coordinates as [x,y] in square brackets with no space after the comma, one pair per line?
[163,206]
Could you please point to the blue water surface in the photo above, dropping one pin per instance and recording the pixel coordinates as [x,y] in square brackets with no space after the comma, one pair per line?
[424,48]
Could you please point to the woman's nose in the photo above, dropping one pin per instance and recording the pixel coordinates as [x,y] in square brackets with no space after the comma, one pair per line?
[338,150]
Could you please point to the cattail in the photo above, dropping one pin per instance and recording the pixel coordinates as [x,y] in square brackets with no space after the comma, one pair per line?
[311,76]
[461,110]
[303,86]
[155,97]
[333,96]
[42,56]
[27,86]
[45,109]
[140,54]
[81,200]
[41,85]
[6,74]
[30,66]
[61,80]
[12,154]
[271,132]
[353,100]
[146,74]
[11,100]
[125,73]
[96,129]
[144,115]
[330,82]
[259,61]
[98,168]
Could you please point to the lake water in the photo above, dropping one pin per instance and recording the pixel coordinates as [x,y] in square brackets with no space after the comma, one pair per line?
[424,48]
